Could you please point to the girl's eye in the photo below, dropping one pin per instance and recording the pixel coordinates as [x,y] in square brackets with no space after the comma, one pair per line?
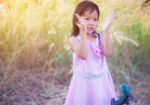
[87,19]
[95,19]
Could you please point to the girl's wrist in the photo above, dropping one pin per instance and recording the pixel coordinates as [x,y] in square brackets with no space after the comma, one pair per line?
[82,33]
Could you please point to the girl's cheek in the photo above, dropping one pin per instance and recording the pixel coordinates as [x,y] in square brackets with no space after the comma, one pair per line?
[85,21]
[95,23]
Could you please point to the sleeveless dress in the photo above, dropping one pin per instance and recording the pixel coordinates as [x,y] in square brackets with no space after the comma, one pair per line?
[91,83]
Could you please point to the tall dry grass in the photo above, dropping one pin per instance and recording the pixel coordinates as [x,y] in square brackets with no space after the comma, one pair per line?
[34,43]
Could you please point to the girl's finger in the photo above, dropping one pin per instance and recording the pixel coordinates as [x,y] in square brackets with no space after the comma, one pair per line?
[78,25]
[79,18]
[110,16]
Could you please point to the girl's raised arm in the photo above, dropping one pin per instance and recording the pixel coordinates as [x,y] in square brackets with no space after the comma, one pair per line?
[107,42]
[80,46]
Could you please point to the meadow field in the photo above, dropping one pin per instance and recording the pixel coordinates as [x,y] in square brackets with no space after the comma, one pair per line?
[36,60]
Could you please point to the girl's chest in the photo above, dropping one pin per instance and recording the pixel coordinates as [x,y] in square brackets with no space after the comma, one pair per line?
[94,49]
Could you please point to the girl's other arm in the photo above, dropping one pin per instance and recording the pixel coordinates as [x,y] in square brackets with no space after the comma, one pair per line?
[106,40]
[107,43]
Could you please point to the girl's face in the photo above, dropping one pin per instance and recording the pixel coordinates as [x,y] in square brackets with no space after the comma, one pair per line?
[90,20]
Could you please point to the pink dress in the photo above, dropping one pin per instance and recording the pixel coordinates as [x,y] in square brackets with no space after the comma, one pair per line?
[91,83]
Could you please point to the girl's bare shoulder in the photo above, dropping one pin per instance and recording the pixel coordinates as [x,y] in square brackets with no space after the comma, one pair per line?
[73,39]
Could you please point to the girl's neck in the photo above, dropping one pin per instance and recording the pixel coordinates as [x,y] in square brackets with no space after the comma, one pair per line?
[91,38]
[90,35]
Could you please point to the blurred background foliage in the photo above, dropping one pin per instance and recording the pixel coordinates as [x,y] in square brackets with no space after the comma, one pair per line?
[37,31]
[35,57]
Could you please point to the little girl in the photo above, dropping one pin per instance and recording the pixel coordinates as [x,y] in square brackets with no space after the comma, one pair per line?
[91,83]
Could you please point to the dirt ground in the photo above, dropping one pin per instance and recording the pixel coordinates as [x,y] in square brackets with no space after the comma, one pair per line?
[37,87]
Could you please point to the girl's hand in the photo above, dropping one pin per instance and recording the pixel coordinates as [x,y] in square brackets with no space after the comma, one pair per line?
[108,21]
[81,24]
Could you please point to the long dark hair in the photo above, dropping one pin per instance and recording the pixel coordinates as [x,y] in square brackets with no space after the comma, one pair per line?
[80,9]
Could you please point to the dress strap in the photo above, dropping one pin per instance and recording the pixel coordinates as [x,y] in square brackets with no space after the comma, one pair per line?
[99,38]
[78,37]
